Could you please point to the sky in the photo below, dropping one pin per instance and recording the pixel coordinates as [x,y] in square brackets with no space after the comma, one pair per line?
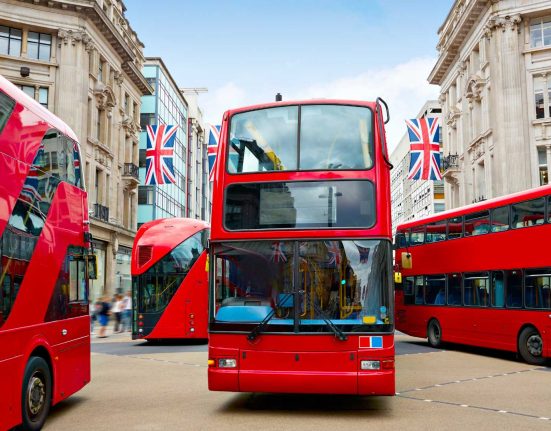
[246,51]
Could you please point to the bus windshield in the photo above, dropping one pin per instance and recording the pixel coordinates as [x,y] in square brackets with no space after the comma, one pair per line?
[158,284]
[305,137]
[305,283]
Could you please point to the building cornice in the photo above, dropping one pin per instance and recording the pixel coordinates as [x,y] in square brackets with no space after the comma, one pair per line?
[127,46]
[453,33]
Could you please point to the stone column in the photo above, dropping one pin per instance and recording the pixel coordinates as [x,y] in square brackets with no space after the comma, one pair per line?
[514,149]
[71,79]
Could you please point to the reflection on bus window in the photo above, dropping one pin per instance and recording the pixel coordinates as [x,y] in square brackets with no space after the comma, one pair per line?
[70,296]
[264,140]
[344,141]
[335,281]
[6,108]
[455,227]
[537,288]
[417,235]
[160,282]
[436,231]
[500,219]
[300,205]
[528,213]
[477,223]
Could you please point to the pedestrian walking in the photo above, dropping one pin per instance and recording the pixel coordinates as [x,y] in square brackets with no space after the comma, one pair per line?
[117,311]
[127,311]
[94,309]
[103,316]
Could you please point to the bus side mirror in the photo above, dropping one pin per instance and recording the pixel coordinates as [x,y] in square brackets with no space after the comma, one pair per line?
[407,261]
[92,266]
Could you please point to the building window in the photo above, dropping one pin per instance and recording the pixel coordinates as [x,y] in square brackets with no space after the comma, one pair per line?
[100,70]
[542,162]
[43,96]
[142,159]
[27,89]
[542,96]
[10,40]
[39,46]
[147,120]
[540,32]
[145,195]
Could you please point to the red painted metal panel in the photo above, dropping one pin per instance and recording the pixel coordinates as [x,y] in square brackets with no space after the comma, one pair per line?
[299,364]
[24,331]
[488,327]
[324,365]
[188,308]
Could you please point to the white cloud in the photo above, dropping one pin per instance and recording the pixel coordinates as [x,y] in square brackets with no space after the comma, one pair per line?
[404,87]
[230,95]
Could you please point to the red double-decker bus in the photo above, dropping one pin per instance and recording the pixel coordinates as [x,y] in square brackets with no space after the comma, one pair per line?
[480,275]
[300,253]
[44,250]
[170,280]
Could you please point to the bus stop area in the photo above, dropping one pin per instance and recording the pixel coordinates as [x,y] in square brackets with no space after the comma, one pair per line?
[136,386]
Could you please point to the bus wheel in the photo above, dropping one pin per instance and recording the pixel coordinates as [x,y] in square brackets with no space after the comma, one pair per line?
[530,346]
[434,333]
[36,394]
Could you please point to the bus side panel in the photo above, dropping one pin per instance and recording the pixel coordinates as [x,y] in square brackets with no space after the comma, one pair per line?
[10,376]
[188,308]
[72,355]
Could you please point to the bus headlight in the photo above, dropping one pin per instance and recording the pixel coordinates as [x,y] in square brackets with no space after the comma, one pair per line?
[227,363]
[370,365]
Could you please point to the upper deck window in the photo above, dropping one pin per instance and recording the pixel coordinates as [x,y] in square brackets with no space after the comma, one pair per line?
[300,205]
[309,137]
[6,108]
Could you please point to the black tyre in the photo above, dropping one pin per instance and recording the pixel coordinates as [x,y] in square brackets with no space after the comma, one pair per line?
[36,394]
[530,346]
[434,333]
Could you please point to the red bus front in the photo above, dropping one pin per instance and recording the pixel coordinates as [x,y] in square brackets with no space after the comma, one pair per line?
[300,256]
[170,280]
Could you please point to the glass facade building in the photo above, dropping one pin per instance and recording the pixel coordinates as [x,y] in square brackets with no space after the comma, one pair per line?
[165,106]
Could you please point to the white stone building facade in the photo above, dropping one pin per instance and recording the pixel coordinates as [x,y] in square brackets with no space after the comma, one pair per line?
[82,60]
[413,199]
[494,73]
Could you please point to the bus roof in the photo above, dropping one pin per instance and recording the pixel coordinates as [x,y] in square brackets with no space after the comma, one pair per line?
[300,102]
[32,105]
[480,206]
[163,235]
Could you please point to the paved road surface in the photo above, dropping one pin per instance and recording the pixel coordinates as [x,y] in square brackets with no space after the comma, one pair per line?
[136,386]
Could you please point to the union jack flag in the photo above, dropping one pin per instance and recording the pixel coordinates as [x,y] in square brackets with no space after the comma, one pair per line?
[364,254]
[334,253]
[76,163]
[424,137]
[278,252]
[212,147]
[159,167]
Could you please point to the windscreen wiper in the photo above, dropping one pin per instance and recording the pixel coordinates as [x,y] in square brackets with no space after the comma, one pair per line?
[338,333]
[260,327]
